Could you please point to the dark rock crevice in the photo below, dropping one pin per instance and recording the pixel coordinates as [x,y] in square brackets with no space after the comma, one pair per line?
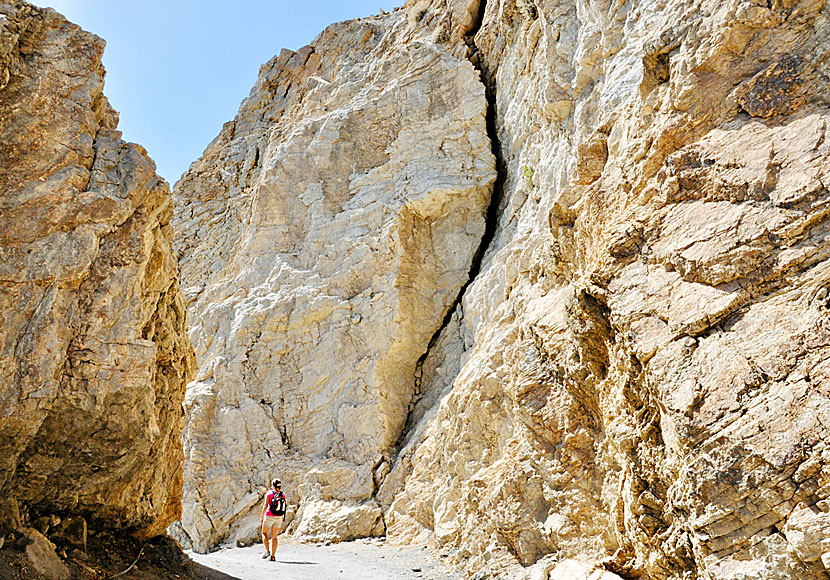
[491,219]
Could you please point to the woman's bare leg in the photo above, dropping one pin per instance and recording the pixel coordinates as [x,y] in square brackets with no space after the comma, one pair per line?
[274,532]
[266,540]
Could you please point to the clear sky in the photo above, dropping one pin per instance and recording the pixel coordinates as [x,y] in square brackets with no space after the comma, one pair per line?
[178,69]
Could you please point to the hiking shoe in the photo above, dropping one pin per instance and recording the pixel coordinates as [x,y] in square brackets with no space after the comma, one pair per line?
[273,559]
[267,554]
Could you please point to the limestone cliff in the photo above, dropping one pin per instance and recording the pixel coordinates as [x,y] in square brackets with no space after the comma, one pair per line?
[644,379]
[324,237]
[633,378]
[94,355]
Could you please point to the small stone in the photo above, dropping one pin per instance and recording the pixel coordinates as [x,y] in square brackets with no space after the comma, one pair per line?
[41,553]
[43,523]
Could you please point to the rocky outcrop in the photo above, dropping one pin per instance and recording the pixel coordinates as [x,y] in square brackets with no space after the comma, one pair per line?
[94,355]
[324,237]
[634,380]
[643,379]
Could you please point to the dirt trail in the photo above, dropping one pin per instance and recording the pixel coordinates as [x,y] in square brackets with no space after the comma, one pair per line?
[360,560]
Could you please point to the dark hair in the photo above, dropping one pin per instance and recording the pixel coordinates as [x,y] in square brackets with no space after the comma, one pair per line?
[276,483]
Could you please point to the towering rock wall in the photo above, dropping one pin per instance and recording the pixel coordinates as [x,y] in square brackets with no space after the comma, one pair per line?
[637,376]
[94,355]
[643,360]
[324,237]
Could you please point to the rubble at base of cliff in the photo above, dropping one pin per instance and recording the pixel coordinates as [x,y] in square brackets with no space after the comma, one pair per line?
[55,548]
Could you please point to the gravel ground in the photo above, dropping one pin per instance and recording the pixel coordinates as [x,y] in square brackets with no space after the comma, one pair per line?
[360,560]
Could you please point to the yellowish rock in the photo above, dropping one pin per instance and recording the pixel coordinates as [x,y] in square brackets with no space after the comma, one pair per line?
[645,350]
[94,354]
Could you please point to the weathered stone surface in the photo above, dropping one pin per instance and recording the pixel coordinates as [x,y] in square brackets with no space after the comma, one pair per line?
[41,554]
[324,236]
[643,370]
[635,384]
[93,348]
[9,515]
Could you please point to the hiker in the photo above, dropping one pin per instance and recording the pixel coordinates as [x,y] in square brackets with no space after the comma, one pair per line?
[273,514]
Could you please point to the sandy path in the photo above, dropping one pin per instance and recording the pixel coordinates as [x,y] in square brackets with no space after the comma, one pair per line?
[360,560]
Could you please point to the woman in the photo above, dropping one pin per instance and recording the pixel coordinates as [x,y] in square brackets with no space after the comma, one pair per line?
[273,514]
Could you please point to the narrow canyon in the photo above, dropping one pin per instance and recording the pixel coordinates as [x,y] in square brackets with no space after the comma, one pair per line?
[543,285]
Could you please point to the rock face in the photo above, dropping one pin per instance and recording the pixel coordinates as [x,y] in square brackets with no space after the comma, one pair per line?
[324,237]
[637,381]
[644,378]
[94,355]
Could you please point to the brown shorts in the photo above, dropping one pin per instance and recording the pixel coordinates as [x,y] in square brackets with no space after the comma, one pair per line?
[272,521]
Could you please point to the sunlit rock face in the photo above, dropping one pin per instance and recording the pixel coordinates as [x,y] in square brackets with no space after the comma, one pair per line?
[94,355]
[637,380]
[324,237]
[643,363]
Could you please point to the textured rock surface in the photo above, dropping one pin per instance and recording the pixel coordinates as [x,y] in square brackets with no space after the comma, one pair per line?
[324,237]
[636,382]
[94,355]
[643,379]
[41,552]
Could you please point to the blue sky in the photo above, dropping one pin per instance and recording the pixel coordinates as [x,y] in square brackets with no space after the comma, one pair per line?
[178,69]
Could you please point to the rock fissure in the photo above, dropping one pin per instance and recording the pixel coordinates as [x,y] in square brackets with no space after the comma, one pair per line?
[491,222]
[307,292]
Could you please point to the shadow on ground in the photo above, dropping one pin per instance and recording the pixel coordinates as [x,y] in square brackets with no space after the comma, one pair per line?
[205,573]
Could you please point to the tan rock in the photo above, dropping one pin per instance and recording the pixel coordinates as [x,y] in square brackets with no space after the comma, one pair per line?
[41,554]
[9,515]
[644,350]
[333,521]
[808,533]
[93,351]
[635,383]
[71,532]
[577,570]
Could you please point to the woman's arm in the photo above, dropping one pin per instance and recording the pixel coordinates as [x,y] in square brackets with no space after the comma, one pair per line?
[264,509]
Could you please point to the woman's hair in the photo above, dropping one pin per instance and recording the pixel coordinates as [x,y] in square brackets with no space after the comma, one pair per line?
[276,483]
